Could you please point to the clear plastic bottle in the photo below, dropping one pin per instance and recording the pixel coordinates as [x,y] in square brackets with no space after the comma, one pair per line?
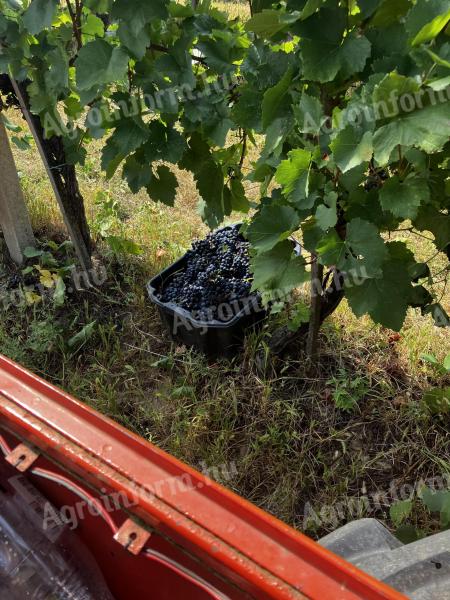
[41,564]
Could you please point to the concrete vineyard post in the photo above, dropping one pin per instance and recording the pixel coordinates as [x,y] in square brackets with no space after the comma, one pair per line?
[14,218]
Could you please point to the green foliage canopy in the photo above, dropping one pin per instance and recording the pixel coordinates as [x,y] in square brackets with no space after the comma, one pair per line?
[348,102]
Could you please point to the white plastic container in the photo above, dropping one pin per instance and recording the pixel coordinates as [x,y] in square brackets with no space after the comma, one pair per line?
[37,563]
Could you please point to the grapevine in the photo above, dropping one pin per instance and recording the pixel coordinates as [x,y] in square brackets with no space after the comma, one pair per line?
[343,106]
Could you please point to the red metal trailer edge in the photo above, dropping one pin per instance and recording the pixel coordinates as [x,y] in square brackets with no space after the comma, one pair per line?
[260,555]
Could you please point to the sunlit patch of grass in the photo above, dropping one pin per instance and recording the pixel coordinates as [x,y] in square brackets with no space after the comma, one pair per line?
[234,8]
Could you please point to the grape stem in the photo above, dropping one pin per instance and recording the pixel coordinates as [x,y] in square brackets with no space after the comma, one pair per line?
[76,24]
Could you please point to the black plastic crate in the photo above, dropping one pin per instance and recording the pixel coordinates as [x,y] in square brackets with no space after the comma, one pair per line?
[215,337]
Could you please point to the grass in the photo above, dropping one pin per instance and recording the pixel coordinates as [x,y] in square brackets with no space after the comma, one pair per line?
[292,447]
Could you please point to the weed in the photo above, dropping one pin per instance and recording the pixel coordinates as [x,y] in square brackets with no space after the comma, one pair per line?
[349,389]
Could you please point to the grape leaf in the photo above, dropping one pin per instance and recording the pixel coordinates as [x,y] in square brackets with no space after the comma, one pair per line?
[326,214]
[350,149]
[93,27]
[247,111]
[163,186]
[431,219]
[325,52]
[394,84]
[362,240]
[39,15]
[384,298]
[273,99]
[266,23]
[129,135]
[426,20]
[164,143]
[272,225]
[137,43]
[137,13]
[238,198]
[310,8]
[279,269]
[309,114]
[389,12]
[403,198]
[99,63]
[138,175]
[428,129]
[441,318]
[292,174]
[57,77]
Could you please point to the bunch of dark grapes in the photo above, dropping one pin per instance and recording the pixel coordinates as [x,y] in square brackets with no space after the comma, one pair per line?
[375,180]
[217,273]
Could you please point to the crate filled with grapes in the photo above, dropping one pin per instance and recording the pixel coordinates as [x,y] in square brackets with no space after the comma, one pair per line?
[206,298]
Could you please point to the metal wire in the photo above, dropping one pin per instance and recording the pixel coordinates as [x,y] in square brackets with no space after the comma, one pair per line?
[78,491]
[185,574]
[4,446]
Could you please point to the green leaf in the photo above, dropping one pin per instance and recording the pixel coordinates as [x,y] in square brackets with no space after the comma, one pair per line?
[209,178]
[279,269]
[129,135]
[301,315]
[400,511]
[441,318]
[407,534]
[32,252]
[138,175]
[110,158]
[39,15]
[446,363]
[385,299]
[326,52]
[437,401]
[163,186]
[429,358]
[438,59]
[266,23]
[440,84]
[273,99]
[22,143]
[309,114]
[120,245]
[311,7]
[426,20]
[272,225]
[93,26]
[137,43]
[394,84]
[293,170]
[100,63]
[164,143]
[428,129]
[389,12]
[431,219]
[350,149]
[247,111]
[82,336]
[434,501]
[326,214]
[403,198]
[239,201]
[59,293]
[137,13]
[362,248]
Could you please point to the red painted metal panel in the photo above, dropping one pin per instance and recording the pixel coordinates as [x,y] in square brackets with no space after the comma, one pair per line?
[250,549]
